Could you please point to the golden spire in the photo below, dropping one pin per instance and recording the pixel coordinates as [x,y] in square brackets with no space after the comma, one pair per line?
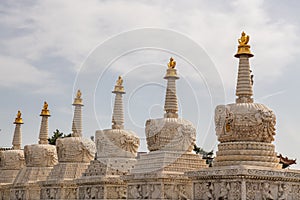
[119,86]
[243,48]
[18,119]
[45,111]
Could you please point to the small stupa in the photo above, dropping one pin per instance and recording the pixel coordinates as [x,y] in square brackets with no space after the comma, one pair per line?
[246,165]
[40,159]
[74,156]
[116,151]
[159,174]
[11,161]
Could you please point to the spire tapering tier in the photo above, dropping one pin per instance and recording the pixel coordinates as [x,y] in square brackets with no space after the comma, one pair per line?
[171,104]
[45,114]
[118,113]
[77,118]
[17,140]
[244,90]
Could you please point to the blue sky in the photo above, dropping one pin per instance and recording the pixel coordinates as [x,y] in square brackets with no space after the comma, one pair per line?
[50,48]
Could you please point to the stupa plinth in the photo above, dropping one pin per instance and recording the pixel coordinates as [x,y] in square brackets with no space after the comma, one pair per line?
[11,161]
[246,165]
[159,174]
[116,152]
[74,156]
[40,159]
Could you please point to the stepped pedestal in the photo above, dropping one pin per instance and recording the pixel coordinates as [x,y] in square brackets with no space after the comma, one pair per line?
[40,159]
[116,152]
[74,156]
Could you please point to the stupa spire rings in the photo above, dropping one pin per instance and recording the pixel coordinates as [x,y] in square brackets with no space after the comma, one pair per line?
[171,104]
[19,119]
[45,114]
[45,111]
[244,91]
[17,139]
[243,48]
[77,117]
[118,112]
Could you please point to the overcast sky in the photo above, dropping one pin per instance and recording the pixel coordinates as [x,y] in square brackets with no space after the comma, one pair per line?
[51,48]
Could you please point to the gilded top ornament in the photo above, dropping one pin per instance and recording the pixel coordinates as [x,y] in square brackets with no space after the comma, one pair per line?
[78,100]
[19,119]
[119,86]
[172,63]
[78,95]
[119,81]
[45,111]
[244,39]
[243,48]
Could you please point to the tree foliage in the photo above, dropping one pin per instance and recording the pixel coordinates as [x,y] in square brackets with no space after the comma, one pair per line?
[57,134]
[208,156]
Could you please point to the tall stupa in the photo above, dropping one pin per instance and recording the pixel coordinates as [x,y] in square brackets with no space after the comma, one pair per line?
[11,161]
[246,165]
[159,174]
[74,156]
[116,151]
[40,159]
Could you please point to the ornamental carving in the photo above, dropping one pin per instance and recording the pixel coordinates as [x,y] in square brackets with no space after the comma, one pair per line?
[91,192]
[217,190]
[12,159]
[117,143]
[244,122]
[40,155]
[75,149]
[170,134]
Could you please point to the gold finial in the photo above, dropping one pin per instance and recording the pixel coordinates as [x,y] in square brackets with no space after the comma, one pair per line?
[19,119]
[119,81]
[172,63]
[77,99]
[45,111]
[78,95]
[243,48]
[119,86]
[244,39]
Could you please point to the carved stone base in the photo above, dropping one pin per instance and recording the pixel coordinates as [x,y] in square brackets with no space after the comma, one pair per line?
[26,192]
[61,182]
[59,190]
[245,183]
[26,183]
[160,175]
[159,186]
[102,179]
[5,191]
[105,187]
